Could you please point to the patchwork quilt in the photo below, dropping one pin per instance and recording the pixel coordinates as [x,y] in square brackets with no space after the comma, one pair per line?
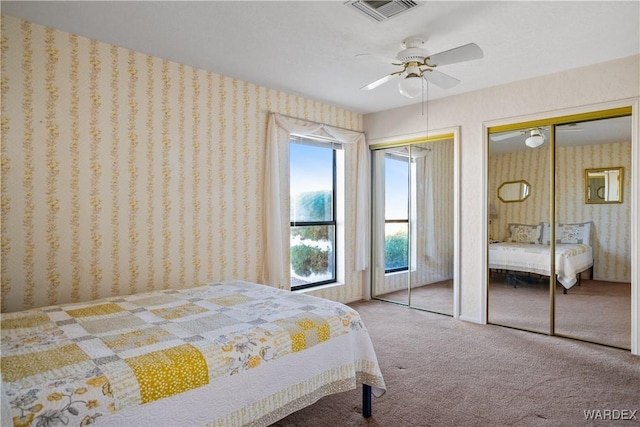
[78,364]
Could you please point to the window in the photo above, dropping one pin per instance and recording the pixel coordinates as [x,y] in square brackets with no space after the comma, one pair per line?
[314,197]
[396,213]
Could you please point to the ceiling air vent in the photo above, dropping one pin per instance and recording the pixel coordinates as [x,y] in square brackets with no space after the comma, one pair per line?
[382,10]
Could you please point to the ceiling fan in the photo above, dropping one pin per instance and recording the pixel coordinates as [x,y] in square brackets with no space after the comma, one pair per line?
[417,64]
[536,135]
[535,139]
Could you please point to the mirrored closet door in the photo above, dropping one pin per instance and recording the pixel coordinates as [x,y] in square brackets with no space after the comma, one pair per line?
[559,250]
[518,294]
[413,219]
[593,219]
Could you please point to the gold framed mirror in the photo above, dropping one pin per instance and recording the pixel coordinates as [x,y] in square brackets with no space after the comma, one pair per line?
[603,185]
[514,191]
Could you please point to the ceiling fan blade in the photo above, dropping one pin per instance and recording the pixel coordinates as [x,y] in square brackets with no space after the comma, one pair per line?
[568,129]
[378,56]
[380,81]
[462,53]
[442,80]
[508,135]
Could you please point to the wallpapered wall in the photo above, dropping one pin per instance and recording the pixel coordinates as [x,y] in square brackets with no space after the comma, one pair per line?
[612,244]
[438,267]
[123,172]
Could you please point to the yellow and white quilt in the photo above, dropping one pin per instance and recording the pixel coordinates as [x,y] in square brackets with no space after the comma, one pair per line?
[570,260]
[234,353]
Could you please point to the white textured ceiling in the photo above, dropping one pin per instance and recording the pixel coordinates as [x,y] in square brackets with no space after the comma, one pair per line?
[309,48]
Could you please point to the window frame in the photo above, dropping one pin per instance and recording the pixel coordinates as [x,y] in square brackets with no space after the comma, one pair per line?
[400,221]
[334,146]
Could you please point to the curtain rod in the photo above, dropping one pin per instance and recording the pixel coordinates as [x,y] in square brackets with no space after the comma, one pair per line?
[318,123]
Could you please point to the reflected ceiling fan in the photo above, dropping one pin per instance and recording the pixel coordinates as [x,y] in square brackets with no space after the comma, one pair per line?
[535,139]
[569,127]
[417,64]
[536,135]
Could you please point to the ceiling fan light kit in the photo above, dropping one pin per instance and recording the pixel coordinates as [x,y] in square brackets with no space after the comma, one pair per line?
[412,85]
[535,140]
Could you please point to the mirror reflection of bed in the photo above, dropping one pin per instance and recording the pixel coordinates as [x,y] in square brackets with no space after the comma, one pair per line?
[596,307]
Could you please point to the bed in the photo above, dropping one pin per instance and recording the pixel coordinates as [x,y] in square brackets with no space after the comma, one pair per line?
[228,354]
[527,250]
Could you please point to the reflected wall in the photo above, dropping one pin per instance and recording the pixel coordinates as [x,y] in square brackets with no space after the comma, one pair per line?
[597,308]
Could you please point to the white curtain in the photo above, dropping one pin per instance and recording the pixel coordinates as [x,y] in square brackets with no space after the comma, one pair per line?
[414,211]
[379,210]
[276,270]
[426,209]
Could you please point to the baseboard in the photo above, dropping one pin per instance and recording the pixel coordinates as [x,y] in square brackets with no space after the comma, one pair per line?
[471,319]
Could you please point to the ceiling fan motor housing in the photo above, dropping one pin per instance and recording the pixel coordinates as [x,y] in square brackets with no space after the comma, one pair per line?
[412,50]
[412,54]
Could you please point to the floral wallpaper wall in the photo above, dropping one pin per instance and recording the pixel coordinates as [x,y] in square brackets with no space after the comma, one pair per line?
[123,172]
[611,236]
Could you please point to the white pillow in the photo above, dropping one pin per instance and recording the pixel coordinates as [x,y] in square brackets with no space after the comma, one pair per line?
[524,233]
[579,233]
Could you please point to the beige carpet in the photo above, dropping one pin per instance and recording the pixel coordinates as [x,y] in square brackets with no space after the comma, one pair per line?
[441,371]
[595,311]
[436,297]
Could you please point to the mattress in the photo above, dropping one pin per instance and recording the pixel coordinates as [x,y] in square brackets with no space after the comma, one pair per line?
[570,259]
[227,354]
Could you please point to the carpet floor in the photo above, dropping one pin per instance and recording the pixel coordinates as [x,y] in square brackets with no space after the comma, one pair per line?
[440,371]
[596,311]
[436,297]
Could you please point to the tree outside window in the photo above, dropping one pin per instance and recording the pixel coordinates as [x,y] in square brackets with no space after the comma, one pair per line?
[312,214]
[396,224]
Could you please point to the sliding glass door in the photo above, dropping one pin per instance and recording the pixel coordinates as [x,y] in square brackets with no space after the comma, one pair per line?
[413,225]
